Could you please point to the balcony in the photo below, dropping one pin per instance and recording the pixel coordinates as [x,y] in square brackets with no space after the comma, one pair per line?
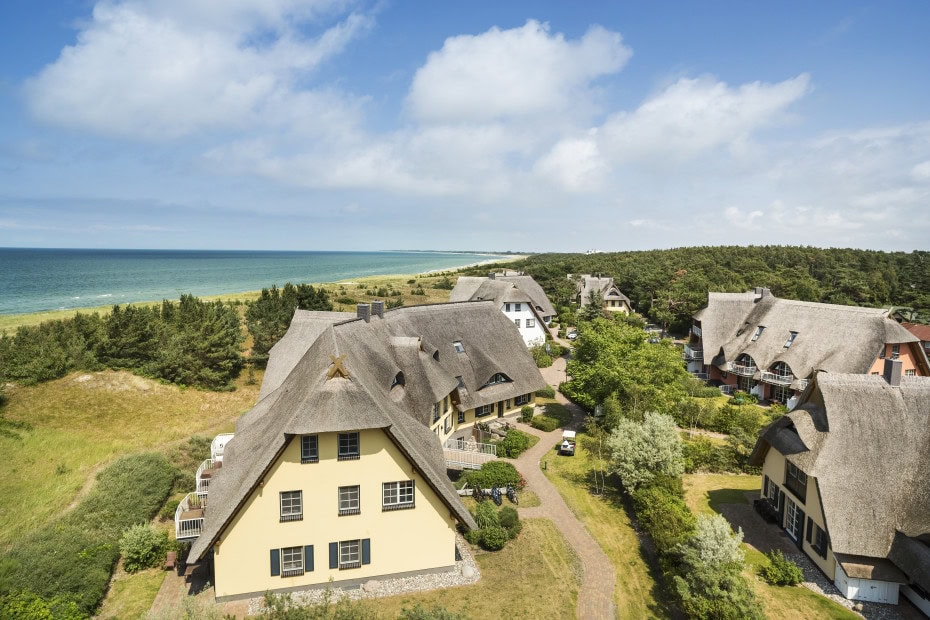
[728,389]
[744,370]
[699,375]
[693,353]
[205,473]
[467,453]
[218,446]
[696,330]
[188,518]
[802,384]
[777,379]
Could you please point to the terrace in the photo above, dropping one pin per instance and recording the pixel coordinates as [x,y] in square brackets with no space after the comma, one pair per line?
[205,472]
[693,353]
[742,368]
[464,453]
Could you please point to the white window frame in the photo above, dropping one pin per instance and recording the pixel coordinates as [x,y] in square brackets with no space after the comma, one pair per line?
[309,449]
[345,445]
[397,495]
[758,333]
[458,346]
[506,307]
[531,322]
[350,500]
[484,410]
[291,505]
[910,372]
[791,518]
[522,399]
[773,492]
[895,351]
[791,338]
[518,307]
[292,561]
[516,322]
[350,554]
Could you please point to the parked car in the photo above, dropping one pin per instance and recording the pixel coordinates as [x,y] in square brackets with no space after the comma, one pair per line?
[571,335]
[568,443]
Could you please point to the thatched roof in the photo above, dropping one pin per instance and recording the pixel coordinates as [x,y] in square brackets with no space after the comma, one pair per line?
[867,444]
[840,339]
[532,288]
[603,286]
[417,341]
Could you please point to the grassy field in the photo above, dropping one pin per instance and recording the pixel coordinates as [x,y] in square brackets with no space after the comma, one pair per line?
[81,422]
[535,576]
[635,592]
[705,493]
[131,596]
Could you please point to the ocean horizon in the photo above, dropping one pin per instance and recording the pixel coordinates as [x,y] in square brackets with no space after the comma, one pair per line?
[44,279]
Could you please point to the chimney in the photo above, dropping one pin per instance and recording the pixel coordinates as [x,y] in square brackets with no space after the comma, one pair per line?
[377,308]
[492,275]
[893,372]
[761,292]
[363,311]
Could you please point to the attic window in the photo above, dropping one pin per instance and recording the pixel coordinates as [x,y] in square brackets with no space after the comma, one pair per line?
[758,333]
[461,382]
[436,355]
[457,345]
[497,378]
[791,337]
[399,380]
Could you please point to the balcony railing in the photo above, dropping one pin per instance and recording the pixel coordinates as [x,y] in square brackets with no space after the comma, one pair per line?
[728,389]
[693,353]
[696,330]
[777,379]
[699,375]
[218,446]
[745,370]
[204,474]
[188,518]
[468,454]
[802,384]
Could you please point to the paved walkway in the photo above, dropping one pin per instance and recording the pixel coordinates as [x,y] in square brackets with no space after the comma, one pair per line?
[595,599]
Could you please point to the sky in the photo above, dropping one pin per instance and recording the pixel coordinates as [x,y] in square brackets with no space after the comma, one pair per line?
[417,125]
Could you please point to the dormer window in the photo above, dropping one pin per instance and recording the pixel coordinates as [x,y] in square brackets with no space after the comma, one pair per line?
[461,382]
[791,337]
[436,355]
[758,333]
[496,379]
[457,345]
[398,380]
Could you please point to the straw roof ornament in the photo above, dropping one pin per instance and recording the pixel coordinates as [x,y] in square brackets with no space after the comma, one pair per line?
[337,368]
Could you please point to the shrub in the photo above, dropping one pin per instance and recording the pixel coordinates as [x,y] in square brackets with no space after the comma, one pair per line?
[663,513]
[541,358]
[445,284]
[473,536]
[494,538]
[142,546]
[28,606]
[167,512]
[437,612]
[526,413]
[486,515]
[418,291]
[707,391]
[781,571]
[544,423]
[496,474]
[555,349]
[546,392]
[348,301]
[510,520]
[513,444]
[743,398]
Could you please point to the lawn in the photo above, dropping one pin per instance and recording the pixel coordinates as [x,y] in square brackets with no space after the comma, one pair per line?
[705,493]
[131,596]
[81,422]
[635,592]
[537,575]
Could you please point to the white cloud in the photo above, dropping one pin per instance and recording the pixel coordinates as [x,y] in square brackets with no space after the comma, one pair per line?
[921,172]
[575,164]
[694,115]
[510,74]
[167,69]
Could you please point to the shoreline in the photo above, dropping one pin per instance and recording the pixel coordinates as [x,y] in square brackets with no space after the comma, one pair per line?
[10,322]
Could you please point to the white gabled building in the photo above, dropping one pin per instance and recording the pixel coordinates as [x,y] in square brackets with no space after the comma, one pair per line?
[514,302]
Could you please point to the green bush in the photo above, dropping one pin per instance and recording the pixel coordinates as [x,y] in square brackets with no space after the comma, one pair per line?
[436,612]
[544,423]
[486,515]
[510,520]
[494,537]
[526,413]
[142,546]
[743,398]
[555,349]
[473,536]
[169,509]
[546,392]
[781,571]
[495,474]
[707,391]
[542,359]
[662,512]
[28,606]
[513,444]
[347,301]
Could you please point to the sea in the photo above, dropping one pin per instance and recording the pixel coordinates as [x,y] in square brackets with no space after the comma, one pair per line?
[38,280]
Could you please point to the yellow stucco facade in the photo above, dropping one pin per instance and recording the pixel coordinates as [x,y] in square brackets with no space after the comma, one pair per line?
[775,467]
[421,538]
[449,420]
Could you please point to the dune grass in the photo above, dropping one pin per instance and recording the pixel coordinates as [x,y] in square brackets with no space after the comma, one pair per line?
[537,575]
[131,595]
[79,423]
[636,593]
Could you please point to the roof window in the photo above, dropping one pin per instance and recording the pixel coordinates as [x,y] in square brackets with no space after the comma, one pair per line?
[457,345]
[791,337]
[399,380]
[497,378]
[758,333]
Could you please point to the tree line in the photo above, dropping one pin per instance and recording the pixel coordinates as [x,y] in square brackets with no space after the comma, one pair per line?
[189,342]
[669,286]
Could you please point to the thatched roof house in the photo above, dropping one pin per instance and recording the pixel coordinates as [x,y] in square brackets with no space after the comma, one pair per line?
[854,457]
[612,299]
[517,296]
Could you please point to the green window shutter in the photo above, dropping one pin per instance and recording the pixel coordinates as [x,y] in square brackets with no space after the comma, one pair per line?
[275,562]
[810,529]
[308,558]
[334,555]
[366,551]
[765,486]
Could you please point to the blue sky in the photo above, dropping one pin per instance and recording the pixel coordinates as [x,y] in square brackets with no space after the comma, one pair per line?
[317,125]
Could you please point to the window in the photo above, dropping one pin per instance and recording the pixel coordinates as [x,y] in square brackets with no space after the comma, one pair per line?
[309,449]
[457,345]
[397,495]
[794,522]
[773,493]
[399,380]
[518,307]
[521,400]
[461,417]
[895,351]
[758,333]
[820,541]
[292,506]
[349,556]
[461,382]
[516,322]
[292,561]
[436,412]
[506,307]
[348,447]
[484,410]
[791,337]
[349,501]
[497,378]
[910,373]
[796,481]
[782,393]
[531,322]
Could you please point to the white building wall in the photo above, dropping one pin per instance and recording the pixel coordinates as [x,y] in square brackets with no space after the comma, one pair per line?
[865,589]
[532,336]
